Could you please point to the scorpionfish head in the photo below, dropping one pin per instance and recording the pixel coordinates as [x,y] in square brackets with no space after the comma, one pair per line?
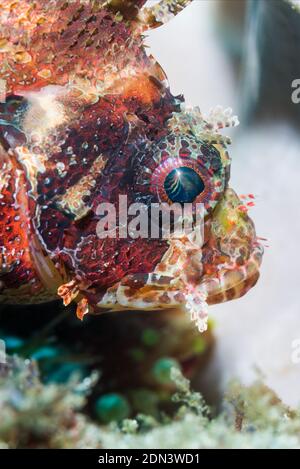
[90,122]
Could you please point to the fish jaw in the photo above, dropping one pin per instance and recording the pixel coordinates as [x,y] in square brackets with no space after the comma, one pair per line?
[192,276]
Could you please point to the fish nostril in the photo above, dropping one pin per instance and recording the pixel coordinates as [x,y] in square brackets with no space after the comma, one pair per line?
[183,185]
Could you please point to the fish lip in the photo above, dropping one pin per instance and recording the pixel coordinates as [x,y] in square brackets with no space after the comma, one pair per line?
[165,296]
[158,291]
[166,288]
[250,273]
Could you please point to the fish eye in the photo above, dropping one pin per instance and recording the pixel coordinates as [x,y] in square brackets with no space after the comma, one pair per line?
[183,185]
[181,169]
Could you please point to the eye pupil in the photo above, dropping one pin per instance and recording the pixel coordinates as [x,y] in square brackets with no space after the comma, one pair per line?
[183,185]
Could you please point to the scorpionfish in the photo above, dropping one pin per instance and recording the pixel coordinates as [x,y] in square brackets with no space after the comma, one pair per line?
[87,115]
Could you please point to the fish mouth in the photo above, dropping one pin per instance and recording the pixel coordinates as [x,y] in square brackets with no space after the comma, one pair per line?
[155,292]
[224,267]
[193,273]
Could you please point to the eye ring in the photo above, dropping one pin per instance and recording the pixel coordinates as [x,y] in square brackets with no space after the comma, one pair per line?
[165,169]
[209,162]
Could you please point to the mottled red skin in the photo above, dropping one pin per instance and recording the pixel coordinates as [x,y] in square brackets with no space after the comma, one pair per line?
[141,255]
[117,174]
[103,124]
[14,230]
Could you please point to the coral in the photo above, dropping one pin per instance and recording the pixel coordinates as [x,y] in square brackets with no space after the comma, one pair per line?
[134,367]
[35,415]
